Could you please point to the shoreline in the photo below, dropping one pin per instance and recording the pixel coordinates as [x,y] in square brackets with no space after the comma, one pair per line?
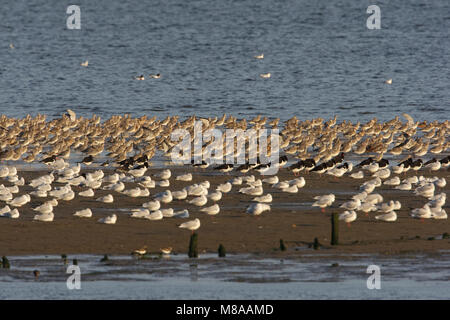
[292,219]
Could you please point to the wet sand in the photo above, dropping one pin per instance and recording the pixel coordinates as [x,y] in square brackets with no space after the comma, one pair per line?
[292,219]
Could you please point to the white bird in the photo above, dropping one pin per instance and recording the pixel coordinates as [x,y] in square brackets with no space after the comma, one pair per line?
[225,187]
[382,174]
[190,225]
[348,216]
[439,214]
[196,190]
[39,193]
[367,207]
[441,183]
[155,215]
[374,198]
[167,213]
[264,199]
[426,190]
[281,185]
[133,193]
[324,201]
[12,214]
[265,75]
[433,166]
[236,181]
[412,180]
[271,180]
[86,193]
[198,201]
[215,196]
[252,191]
[257,208]
[163,183]
[388,217]
[404,186]
[398,169]
[180,195]
[372,168]
[117,187]
[291,189]
[164,175]
[422,213]
[392,182]
[106,199]
[212,210]
[85,63]
[20,201]
[85,213]
[351,205]
[108,220]
[299,182]
[44,208]
[139,213]
[181,214]
[5,209]
[138,172]
[152,205]
[184,177]
[361,196]
[259,56]
[387,206]
[164,197]
[44,217]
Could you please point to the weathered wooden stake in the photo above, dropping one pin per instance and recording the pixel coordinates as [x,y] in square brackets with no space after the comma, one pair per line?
[105,258]
[75,262]
[316,244]
[193,252]
[221,251]
[334,229]
[282,246]
[5,262]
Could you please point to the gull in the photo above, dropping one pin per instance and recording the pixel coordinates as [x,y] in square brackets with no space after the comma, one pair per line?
[351,205]
[441,183]
[167,213]
[184,177]
[225,187]
[5,209]
[147,183]
[4,172]
[357,175]
[215,196]
[87,193]
[439,214]
[398,169]
[198,201]
[196,190]
[271,180]
[256,183]
[422,213]
[264,199]
[44,217]
[348,216]
[392,182]
[265,75]
[281,185]
[252,191]
[438,200]
[426,191]
[190,225]
[12,214]
[44,208]
[404,186]
[236,181]
[337,172]
[155,215]
[388,217]
[134,193]
[361,196]
[164,197]
[108,220]
[20,201]
[411,180]
[324,201]
[155,76]
[291,189]
[212,210]
[141,77]
[180,195]
[44,187]
[374,198]
[85,213]
[163,183]
[85,63]
[69,195]
[257,208]
[387,207]
[164,175]
[367,207]
[205,184]
[299,182]
[433,166]
[368,188]
[152,205]
[259,56]
[388,81]
[372,168]
[117,187]
[106,199]
[114,178]
[39,194]
[137,173]
[382,174]
[181,214]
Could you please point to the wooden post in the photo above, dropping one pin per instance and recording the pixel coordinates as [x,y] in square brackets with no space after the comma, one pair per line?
[282,246]
[193,252]
[334,229]
[105,258]
[5,262]
[316,244]
[221,251]
[75,262]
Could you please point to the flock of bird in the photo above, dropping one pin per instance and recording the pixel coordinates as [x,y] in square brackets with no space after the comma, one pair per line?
[314,147]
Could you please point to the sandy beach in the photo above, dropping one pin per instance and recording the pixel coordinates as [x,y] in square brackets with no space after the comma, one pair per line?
[291,218]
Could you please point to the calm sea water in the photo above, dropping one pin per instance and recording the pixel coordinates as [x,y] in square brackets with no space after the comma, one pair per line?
[323,59]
